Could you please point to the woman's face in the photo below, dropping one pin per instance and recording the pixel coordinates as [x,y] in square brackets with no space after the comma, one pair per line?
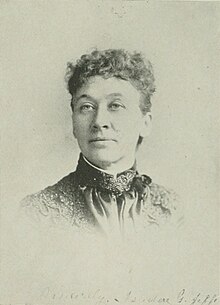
[107,120]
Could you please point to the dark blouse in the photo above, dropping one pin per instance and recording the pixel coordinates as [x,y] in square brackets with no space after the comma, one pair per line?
[91,200]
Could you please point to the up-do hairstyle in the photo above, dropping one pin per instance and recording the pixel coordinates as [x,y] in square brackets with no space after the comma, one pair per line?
[113,63]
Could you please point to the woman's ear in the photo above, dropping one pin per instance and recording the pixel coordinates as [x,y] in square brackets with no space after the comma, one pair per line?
[146,125]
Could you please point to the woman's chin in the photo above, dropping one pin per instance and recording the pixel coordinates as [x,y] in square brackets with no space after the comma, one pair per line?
[103,157]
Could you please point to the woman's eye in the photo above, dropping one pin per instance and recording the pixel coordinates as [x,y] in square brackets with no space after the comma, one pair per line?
[116,106]
[87,107]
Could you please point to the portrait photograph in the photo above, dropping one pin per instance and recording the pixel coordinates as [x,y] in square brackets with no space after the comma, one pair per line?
[110,152]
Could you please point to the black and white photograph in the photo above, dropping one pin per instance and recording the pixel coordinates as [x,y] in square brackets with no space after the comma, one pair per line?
[110,152]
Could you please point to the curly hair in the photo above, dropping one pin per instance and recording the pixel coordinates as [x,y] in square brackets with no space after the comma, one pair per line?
[113,63]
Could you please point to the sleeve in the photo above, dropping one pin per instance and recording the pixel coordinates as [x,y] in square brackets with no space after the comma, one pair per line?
[33,210]
[164,206]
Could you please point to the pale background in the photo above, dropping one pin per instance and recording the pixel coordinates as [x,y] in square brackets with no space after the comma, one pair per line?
[181,40]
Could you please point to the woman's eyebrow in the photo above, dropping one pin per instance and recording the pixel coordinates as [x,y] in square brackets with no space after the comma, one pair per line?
[114,95]
[85,96]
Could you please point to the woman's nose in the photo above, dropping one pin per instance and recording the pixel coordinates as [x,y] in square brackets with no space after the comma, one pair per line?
[101,119]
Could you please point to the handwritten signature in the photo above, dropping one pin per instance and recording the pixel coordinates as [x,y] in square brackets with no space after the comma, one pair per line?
[182,297]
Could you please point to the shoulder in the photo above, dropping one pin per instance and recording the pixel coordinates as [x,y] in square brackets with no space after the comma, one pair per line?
[163,205]
[55,202]
[53,192]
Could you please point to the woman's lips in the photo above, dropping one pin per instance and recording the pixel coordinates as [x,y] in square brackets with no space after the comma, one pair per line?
[102,140]
[102,143]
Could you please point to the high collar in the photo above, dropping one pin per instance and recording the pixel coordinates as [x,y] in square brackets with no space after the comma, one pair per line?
[90,175]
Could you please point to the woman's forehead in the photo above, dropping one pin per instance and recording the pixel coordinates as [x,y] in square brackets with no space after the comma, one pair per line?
[97,86]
